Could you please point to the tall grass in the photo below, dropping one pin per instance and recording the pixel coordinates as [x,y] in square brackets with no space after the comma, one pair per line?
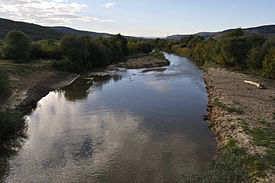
[229,166]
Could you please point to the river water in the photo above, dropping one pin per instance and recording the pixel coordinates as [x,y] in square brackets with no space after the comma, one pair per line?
[132,126]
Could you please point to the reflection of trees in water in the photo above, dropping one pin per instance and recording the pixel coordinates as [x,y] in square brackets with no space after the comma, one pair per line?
[80,88]
[116,78]
[9,148]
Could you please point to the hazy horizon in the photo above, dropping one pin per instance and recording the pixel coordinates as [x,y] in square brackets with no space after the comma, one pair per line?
[151,18]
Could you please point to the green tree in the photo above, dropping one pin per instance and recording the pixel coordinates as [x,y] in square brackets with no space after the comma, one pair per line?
[235,33]
[234,50]
[75,50]
[17,45]
[121,44]
[270,42]
[256,40]
[255,58]
[144,46]
[99,54]
[269,63]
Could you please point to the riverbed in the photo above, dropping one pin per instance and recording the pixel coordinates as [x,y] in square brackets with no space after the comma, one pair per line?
[128,126]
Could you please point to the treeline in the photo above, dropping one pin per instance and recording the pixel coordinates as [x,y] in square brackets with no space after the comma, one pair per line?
[253,53]
[72,53]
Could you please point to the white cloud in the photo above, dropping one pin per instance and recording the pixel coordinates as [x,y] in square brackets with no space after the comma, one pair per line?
[109,5]
[44,12]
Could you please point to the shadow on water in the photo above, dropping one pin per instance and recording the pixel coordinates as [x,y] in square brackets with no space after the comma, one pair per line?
[10,148]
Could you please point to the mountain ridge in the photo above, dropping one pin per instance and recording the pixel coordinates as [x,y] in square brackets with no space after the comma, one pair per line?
[265,30]
[37,32]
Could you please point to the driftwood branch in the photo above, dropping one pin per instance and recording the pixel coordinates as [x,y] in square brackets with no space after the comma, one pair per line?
[258,85]
[73,80]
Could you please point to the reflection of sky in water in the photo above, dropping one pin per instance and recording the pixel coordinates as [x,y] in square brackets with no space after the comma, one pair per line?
[144,127]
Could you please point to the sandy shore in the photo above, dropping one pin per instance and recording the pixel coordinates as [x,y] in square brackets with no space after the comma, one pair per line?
[31,87]
[235,108]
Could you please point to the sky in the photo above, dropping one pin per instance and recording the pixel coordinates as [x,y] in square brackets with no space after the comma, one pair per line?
[144,18]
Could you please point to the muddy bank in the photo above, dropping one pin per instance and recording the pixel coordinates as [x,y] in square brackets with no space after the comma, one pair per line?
[148,61]
[236,109]
[28,89]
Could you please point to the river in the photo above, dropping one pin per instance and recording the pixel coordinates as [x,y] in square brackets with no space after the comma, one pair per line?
[131,126]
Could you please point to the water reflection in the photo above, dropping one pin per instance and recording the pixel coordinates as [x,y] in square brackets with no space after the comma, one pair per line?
[79,90]
[159,86]
[132,126]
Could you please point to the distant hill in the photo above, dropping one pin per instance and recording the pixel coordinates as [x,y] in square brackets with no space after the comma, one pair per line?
[37,32]
[266,30]
[67,30]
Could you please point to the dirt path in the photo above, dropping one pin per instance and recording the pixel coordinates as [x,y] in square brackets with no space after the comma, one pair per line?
[242,112]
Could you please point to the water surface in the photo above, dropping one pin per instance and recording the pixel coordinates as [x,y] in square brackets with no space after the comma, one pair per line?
[132,126]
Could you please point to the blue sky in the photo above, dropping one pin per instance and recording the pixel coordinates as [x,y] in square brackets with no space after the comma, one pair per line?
[142,17]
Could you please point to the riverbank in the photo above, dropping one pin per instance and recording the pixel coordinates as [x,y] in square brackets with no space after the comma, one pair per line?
[31,82]
[244,114]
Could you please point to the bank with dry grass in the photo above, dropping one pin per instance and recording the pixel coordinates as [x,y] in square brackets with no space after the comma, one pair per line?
[243,115]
